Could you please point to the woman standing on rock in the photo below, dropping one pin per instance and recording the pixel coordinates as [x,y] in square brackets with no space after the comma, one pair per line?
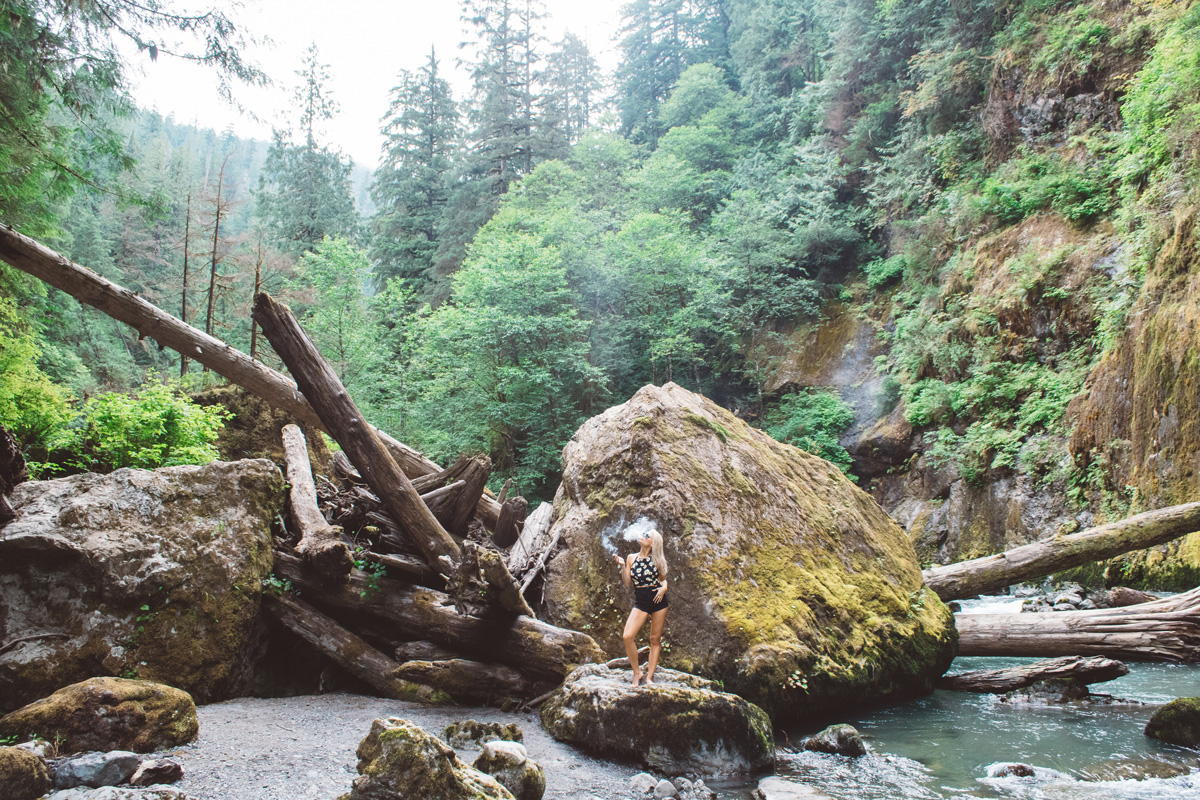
[646,571]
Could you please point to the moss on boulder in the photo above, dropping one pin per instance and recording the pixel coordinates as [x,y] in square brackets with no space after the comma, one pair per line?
[23,776]
[788,583]
[108,714]
[1178,722]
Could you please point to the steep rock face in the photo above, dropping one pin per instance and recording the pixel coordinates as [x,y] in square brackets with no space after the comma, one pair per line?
[788,583]
[153,575]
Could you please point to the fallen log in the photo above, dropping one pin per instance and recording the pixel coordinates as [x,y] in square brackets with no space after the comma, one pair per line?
[123,305]
[320,544]
[1164,630]
[410,569]
[422,651]
[533,647]
[1048,556]
[998,681]
[345,423]
[472,682]
[508,524]
[344,648]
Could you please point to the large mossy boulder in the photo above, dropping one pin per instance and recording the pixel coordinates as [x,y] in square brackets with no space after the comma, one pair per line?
[681,724]
[788,583]
[400,759]
[147,574]
[107,714]
[23,776]
[1178,722]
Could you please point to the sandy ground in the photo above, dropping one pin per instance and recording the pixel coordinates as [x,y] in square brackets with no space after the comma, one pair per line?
[302,748]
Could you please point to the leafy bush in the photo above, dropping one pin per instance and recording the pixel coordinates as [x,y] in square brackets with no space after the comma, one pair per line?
[32,407]
[1038,182]
[883,271]
[156,426]
[813,421]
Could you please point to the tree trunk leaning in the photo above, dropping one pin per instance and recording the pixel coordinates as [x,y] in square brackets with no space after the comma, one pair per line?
[345,423]
[1048,556]
[472,681]
[1096,669]
[129,307]
[1165,630]
[320,544]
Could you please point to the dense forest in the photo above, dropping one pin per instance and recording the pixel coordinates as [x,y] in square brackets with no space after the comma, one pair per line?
[987,185]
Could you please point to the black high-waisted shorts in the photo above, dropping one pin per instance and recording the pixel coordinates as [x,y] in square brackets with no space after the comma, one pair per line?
[643,599]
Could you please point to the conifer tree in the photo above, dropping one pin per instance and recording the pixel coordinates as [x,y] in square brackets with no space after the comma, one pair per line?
[572,87]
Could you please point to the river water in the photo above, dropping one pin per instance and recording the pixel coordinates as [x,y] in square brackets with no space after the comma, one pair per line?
[942,746]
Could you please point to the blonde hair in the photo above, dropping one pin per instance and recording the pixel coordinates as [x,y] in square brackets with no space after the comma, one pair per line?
[656,553]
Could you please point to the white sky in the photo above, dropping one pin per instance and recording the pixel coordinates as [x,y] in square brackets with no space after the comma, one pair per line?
[365,43]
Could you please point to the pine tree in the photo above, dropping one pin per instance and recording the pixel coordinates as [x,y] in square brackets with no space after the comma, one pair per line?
[572,87]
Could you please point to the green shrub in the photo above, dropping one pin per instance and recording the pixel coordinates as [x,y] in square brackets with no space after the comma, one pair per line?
[813,421]
[32,407]
[883,271]
[1037,182]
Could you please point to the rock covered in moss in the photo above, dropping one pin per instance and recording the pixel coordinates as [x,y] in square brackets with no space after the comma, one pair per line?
[1178,722]
[680,725]
[509,763]
[23,775]
[788,583]
[108,714]
[399,759]
[470,733]
[154,574]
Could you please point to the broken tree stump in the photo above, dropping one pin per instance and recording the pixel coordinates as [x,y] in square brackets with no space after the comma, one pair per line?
[508,524]
[1048,556]
[345,423]
[1164,630]
[320,544]
[1096,669]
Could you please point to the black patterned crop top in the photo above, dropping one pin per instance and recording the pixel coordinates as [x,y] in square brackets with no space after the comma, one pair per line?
[643,572]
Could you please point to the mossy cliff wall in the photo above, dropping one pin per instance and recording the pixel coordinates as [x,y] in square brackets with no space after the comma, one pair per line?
[788,583]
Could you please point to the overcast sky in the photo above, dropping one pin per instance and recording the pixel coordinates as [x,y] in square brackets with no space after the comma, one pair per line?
[365,43]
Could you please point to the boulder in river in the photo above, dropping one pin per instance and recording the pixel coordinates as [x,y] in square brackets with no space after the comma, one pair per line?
[1178,722]
[108,714]
[23,775]
[840,740]
[787,582]
[680,725]
[782,789]
[151,574]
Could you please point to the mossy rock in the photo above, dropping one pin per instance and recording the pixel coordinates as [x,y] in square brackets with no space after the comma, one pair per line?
[108,714]
[788,583]
[23,776]
[399,759]
[469,732]
[1178,722]
[680,725]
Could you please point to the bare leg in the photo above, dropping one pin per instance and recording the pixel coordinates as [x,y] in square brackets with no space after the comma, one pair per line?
[637,619]
[657,620]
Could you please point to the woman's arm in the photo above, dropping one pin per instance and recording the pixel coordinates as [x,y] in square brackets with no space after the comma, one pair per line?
[625,578]
[662,590]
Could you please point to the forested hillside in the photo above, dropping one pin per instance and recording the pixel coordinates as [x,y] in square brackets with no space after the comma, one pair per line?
[947,244]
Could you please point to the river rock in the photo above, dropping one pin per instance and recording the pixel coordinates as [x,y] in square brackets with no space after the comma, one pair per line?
[840,740]
[147,573]
[509,763]
[780,789]
[788,583]
[1010,771]
[664,789]
[108,714]
[153,772]
[23,775]
[469,733]
[121,793]
[399,759]
[95,769]
[1178,722]
[680,725]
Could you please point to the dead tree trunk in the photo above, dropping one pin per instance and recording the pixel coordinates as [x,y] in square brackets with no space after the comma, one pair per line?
[128,307]
[1037,560]
[472,681]
[345,423]
[998,681]
[320,544]
[535,648]
[1165,630]
[344,648]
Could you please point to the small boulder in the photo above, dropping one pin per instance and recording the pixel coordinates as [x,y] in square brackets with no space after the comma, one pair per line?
[680,725]
[156,772]
[1010,771]
[1055,691]
[121,793]
[840,740]
[1178,722]
[23,775]
[781,789]
[470,733]
[509,764]
[95,769]
[693,790]
[665,789]
[399,759]
[108,714]
[643,784]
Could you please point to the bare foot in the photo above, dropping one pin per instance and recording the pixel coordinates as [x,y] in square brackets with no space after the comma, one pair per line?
[649,680]
[637,678]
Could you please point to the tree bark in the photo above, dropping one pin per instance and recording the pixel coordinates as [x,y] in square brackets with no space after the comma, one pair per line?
[508,525]
[129,307]
[344,648]
[345,423]
[410,569]
[472,682]
[320,544]
[1037,560]
[1165,630]
[998,681]
[535,648]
